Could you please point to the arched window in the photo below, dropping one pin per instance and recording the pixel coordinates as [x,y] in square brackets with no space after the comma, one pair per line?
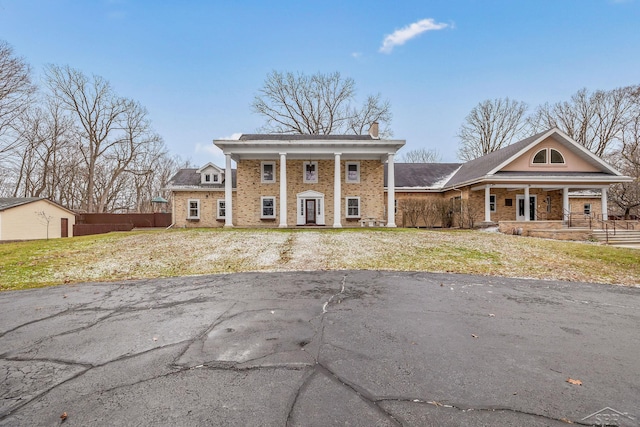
[556,156]
[540,157]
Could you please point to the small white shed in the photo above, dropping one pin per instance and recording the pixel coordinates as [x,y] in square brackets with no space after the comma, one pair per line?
[30,218]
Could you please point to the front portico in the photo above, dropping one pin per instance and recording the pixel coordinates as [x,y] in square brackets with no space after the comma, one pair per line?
[310,179]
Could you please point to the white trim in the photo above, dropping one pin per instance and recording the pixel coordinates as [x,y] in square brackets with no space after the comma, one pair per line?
[228,192]
[273,173]
[189,201]
[527,206]
[346,173]
[301,198]
[305,177]
[337,191]
[262,215]
[346,206]
[495,203]
[218,216]
[568,140]
[283,190]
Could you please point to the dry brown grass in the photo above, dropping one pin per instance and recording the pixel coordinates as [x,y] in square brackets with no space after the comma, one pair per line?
[119,256]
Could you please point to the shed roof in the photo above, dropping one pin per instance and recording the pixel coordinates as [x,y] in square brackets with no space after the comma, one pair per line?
[422,175]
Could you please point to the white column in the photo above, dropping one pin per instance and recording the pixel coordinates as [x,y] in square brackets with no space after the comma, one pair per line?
[283,190]
[527,210]
[391,192]
[337,199]
[228,191]
[487,204]
[565,204]
[605,207]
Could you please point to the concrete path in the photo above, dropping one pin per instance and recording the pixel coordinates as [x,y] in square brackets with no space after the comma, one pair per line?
[321,349]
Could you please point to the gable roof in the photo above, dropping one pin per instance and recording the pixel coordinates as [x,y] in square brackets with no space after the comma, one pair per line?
[12,202]
[422,175]
[190,178]
[209,165]
[491,164]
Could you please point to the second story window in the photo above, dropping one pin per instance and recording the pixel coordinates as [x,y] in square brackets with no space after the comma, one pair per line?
[268,172]
[310,171]
[352,171]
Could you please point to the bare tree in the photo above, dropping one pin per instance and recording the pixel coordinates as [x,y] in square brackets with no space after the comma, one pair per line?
[320,104]
[44,219]
[491,125]
[627,195]
[421,155]
[594,119]
[46,138]
[15,93]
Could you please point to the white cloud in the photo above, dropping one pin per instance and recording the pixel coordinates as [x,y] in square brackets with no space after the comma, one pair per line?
[356,55]
[401,36]
[234,136]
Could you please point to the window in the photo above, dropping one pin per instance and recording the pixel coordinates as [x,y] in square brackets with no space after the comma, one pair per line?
[587,208]
[193,211]
[548,204]
[353,207]
[268,207]
[395,206]
[492,202]
[540,157]
[310,172]
[556,156]
[352,170]
[215,178]
[508,202]
[268,172]
[221,211]
[207,177]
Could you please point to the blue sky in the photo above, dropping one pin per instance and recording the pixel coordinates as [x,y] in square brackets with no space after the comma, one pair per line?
[196,65]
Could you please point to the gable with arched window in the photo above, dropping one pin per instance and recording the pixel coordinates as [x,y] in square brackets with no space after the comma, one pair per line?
[548,156]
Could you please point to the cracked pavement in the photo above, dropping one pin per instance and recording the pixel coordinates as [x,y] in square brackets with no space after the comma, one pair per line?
[357,348]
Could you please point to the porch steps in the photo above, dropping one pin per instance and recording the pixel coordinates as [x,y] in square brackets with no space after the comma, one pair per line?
[620,237]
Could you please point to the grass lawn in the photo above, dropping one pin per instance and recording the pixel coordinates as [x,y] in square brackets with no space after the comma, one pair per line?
[151,254]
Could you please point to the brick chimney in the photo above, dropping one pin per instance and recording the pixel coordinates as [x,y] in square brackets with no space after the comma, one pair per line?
[373,130]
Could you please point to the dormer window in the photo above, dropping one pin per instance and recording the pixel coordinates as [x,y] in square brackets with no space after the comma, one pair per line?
[548,156]
[210,174]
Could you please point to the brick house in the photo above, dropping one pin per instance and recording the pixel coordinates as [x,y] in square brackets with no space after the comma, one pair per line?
[287,180]
[556,175]
[343,180]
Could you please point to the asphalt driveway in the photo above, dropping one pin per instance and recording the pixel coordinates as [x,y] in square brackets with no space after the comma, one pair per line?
[321,349]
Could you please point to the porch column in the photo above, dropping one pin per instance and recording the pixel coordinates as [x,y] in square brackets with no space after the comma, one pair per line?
[337,200]
[391,192]
[283,190]
[487,204]
[228,191]
[605,208]
[527,206]
[565,204]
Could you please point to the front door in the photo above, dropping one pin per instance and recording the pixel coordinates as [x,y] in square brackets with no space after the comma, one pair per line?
[532,208]
[310,211]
